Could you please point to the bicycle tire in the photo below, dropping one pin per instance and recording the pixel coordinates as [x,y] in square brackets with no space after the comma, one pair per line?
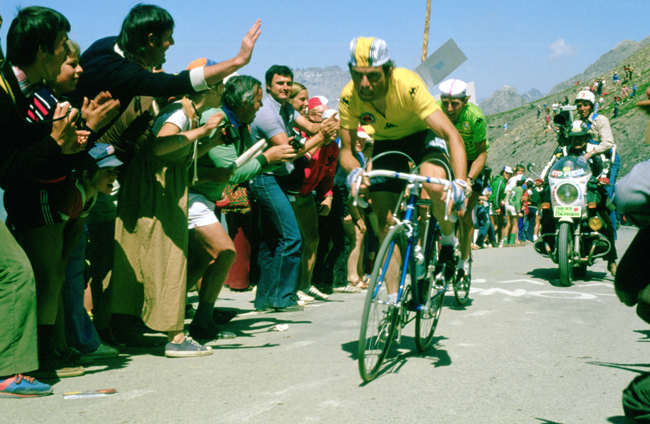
[462,286]
[426,320]
[378,320]
[565,254]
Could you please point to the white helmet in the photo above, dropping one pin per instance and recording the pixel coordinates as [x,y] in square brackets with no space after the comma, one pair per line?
[586,96]
[578,128]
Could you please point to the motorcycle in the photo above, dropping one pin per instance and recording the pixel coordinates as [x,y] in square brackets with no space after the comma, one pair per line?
[577,241]
[572,212]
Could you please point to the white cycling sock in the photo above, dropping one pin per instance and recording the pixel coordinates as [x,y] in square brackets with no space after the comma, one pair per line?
[448,240]
[461,263]
[392,298]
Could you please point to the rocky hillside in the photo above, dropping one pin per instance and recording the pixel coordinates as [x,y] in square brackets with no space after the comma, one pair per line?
[507,98]
[525,140]
[605,63]
[326,82]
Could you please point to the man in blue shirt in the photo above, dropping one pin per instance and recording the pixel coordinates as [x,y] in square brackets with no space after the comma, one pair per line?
[280,253]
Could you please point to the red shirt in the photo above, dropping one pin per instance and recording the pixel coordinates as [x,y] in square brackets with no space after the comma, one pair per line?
[321,169]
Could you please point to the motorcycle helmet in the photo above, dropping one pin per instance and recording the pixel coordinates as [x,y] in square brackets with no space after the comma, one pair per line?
[586,96]
[578,128]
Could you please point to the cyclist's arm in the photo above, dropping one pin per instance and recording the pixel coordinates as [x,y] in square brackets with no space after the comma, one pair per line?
[347,157]
[442,126]
[479,162]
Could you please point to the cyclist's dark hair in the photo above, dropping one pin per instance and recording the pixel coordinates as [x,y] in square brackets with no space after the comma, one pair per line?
[142,20]
[34,28]
[240,91]
[281,70]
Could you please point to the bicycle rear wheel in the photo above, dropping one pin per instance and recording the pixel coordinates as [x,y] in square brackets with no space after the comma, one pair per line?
[426,319]
[379,319]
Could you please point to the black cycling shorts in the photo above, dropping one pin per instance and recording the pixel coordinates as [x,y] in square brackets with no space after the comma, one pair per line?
[416,146]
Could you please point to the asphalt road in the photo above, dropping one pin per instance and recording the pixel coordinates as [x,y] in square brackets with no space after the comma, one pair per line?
[524,350]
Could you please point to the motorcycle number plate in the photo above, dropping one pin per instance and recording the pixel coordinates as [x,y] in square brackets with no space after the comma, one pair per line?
[567,211]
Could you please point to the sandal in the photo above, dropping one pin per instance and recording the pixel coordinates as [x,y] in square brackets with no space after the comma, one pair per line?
[347,289]
[363,283]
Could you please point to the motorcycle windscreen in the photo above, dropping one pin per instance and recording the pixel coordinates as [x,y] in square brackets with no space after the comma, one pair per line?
[568,167]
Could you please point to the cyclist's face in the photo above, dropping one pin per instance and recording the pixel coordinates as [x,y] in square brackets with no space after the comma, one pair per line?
[370,83]
[453,107]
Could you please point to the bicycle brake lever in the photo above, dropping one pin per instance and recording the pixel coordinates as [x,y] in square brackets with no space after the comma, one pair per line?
[359,200]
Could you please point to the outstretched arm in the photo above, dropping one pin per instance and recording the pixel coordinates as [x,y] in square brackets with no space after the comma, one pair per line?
[215,73]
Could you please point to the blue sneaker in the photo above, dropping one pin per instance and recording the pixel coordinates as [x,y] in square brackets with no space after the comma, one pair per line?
[22,386]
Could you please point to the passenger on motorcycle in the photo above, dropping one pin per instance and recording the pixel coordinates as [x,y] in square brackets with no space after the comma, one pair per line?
[581,146]
[600,135]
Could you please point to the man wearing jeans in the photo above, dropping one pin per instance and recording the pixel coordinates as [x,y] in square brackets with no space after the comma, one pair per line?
[280,253]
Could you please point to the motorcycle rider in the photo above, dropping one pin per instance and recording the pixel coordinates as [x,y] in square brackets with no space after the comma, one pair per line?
[580,137]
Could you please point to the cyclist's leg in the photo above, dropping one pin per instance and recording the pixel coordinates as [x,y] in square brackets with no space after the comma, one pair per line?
[383,204]
[437,194]
[466,232]
[385,193]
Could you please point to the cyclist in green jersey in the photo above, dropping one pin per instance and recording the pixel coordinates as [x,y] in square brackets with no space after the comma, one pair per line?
[470,123]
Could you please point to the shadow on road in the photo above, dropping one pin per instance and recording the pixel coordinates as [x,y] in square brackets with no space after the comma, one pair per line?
[625,367]
[552,275]
[646,333]
[395,359]
[619,419]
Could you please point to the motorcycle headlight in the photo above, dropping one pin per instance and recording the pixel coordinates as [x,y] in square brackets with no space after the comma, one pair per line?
[595,223]
[567,194]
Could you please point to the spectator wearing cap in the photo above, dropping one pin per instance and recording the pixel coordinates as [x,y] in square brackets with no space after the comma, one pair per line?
[123,65]
[470,122]
[498,203]
[212,252]
[80,341]
[150,269]
[279,256]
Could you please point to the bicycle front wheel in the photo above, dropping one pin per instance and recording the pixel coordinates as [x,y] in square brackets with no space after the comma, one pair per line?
[380,319]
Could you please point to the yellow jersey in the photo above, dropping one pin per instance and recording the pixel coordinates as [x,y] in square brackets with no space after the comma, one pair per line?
[408,104]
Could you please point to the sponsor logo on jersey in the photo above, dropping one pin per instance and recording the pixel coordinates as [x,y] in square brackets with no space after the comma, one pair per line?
[367,118]
[412,92]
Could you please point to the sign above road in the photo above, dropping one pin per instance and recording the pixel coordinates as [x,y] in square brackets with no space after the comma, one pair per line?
[441,63]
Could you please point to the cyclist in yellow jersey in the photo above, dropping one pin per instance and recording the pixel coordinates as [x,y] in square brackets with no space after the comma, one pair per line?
[470,123]
[405,117]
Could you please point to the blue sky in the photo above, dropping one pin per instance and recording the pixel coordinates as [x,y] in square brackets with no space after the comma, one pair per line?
[523,44]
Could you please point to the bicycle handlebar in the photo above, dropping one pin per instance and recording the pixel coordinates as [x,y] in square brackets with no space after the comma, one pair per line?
[411,178]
